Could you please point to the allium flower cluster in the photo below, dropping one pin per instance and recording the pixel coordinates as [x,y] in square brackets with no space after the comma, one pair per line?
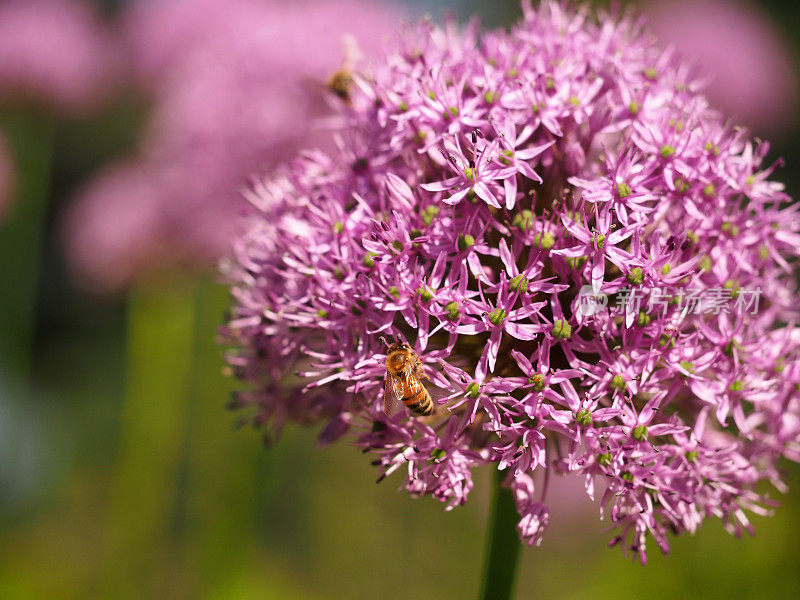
[57,52]
[238,86]
[479,184]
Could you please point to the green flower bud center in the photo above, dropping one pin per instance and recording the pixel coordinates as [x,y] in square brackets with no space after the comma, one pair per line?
[576,262]
[640,433]
[537,381]
[453,310]
[465,242]
[733,286]
[600,240]
[561,329]
[618,383]
[519,284]
[397,245]
[623,190]
[393,291]
[506,156]
[636,277]
[425,294]
[469,173]
[666,151]
[604,459]
[643,319]
[429,213]
[730,228]
[497,316]
[368,260]
[692,455]
[438,454]
[633,107]
[666,269]
[545,240]
[728,348]
[322,313]
[736,386]
[682,185]
[338,227]
[709,190]
[583,417]
[489,97]
[473,390]
[687,365]
[523,220]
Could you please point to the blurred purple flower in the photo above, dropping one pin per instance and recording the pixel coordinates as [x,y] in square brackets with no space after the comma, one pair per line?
[624,182]
[744,55]
[55,52]
[239,88]
[118,228]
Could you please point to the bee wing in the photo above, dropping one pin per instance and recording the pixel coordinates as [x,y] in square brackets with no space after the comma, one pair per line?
[392,394]
[437,393]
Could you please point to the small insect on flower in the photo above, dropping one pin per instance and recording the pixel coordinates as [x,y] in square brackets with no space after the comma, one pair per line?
[404,382]
[341,81]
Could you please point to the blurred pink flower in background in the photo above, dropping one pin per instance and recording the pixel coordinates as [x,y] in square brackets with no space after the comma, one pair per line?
[55,52]
[744,54]
[114,230]
[239,87]
[7,176]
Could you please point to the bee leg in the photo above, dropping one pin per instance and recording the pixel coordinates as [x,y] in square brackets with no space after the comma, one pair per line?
[419,369]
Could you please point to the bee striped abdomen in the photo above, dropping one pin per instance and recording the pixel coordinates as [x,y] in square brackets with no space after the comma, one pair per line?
[419,402]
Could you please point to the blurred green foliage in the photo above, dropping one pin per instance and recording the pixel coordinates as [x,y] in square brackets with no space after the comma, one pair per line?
[122,475]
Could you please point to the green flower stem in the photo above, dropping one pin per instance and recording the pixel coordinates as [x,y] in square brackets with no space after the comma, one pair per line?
[22,238]
[502,548]
[146,485]
[221,467]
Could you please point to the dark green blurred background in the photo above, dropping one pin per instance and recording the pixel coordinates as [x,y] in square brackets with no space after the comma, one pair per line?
[123,476]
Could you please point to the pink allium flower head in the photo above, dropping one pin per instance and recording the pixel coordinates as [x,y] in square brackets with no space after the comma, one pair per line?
[246,93]
[7,176]
[113,232]
[56,52]
[743,54]
[479,188]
